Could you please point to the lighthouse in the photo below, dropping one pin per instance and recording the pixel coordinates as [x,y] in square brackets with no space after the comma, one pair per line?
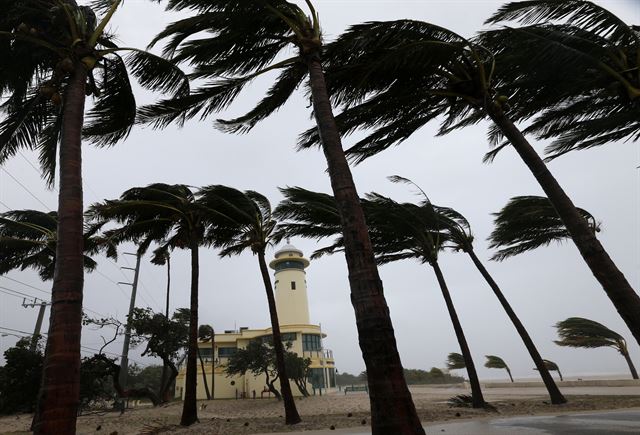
[292,303]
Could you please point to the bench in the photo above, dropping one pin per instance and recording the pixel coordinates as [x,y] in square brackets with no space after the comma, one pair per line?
[356,388]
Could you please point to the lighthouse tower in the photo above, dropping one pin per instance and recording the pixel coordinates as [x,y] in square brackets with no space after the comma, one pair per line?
[291,286]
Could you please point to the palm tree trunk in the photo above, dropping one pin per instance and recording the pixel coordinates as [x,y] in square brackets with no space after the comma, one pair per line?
[392,408]
[509,373]
[290,410]
[632,368]
[614,283]
[476,391]
[166,314]
[190,407]
[554,392]
[59,395]
[213,363]
[204,376]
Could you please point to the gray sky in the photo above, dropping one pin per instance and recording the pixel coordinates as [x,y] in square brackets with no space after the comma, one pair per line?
[544,286]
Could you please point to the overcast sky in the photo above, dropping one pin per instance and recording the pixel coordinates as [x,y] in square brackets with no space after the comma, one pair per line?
[544,287]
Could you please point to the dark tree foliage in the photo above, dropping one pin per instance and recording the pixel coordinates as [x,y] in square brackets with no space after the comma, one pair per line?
[432,376]
[20,378]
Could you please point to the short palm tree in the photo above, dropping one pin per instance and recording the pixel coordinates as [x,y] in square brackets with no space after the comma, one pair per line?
[55,53]
[495,362]
[394,77]
[172,215]
[398,232]
[314,215]
[580,332]
[207,333]
[455,361]
[528,222]
[251,227]
[243,40]
[551,366]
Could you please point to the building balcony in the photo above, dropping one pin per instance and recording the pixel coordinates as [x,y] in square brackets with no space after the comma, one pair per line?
[324,354]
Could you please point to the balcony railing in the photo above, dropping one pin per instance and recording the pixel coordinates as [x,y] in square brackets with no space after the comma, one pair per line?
[320,354]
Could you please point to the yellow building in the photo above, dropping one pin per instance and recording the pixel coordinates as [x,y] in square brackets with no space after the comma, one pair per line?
[292,305]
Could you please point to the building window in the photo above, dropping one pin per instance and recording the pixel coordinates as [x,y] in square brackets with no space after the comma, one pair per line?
[289,264]
[226,352]
[286,337]
[205,353]
[332,377]
[293,285]
[316,378]
[311,342]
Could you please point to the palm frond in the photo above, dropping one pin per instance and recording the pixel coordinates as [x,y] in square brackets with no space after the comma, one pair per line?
[581,332]
[495,362]
[455,361]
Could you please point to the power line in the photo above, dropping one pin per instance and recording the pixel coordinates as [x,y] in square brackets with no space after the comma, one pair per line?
[28,285]
[25,188]
[5,205]
[20,293]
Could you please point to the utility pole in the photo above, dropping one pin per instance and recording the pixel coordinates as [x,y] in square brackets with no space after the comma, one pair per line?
[124,362]
[36,330]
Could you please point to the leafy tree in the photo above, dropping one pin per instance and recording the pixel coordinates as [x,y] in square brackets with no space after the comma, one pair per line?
[495,362]
[163,338]
[455,361]
[528,222]
[245,40]
[581,332]
[173,216]
[55,53]
[394,77]
[298,370]
[250,226]
[256,358]
[433,376]
[20,378]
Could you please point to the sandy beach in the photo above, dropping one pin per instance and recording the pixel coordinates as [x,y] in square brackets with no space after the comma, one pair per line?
[236,417]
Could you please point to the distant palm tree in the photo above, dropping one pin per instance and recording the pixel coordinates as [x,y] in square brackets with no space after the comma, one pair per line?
[251,226]
[495,362]
[398,232]
[314,215]
[172,215]
[551,366]
[580,332]
[394,77]
[455,361]
[55,53]
[528,222]
[206,333]
[244,40]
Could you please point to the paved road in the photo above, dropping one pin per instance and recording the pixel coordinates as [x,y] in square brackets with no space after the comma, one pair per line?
[624,422]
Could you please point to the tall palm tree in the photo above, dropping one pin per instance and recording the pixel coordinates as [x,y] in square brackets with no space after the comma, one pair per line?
[243,41]
[495,362]
[528,222]
[173,215]
[251,227]
[394,77]
[581,332]
[398,232]
[314,215]
[55,53]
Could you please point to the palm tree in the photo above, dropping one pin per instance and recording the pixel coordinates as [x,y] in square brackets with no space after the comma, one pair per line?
[398,232]
[314,215]
[243,41]
[206,333]
[528,222]
[495,362]
[173,215]
[394,77]
[551,366]
[54,54]
[252,227]
[580,332]
[28,240]
[455,361]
